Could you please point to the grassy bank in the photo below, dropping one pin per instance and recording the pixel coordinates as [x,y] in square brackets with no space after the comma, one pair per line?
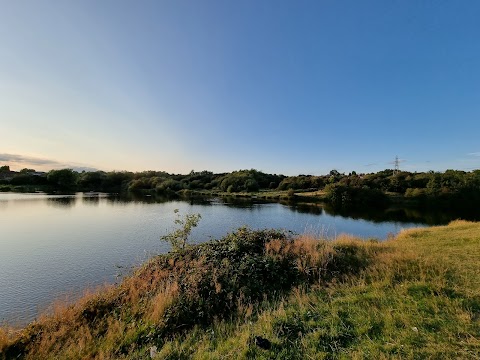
[264,194]
[263,294]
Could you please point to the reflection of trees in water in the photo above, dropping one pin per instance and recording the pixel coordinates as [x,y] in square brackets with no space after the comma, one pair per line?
[405,215]
[429,216]
[63,202]
[91,200]
[136,198]
[401,215]
[240,202]
[305,208]
[155,199]
[197,200]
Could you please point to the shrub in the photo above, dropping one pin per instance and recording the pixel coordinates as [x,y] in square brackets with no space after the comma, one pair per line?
[178,238]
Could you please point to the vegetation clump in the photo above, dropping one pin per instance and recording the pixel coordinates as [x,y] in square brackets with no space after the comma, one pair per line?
[415,296]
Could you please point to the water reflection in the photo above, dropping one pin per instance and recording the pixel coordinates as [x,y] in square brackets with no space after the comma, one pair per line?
[62,202]
[404,215]
[91,200]
[81,247]
[306,208]
[399,215]
[138,198]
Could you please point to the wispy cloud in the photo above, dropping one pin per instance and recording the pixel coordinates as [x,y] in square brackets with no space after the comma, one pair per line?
[368,165]
[27,159]
[474,154]
[44,164]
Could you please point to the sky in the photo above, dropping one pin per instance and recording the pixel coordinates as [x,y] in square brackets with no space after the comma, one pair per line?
[290,87]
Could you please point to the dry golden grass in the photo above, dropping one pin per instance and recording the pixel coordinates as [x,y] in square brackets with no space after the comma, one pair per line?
[318,193]
[162,300]
[415,295]
[311,254]
[5,336]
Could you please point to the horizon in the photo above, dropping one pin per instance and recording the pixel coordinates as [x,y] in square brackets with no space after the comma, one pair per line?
[348,173]
[291,88]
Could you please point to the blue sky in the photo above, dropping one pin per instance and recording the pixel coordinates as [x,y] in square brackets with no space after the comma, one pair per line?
[288,87]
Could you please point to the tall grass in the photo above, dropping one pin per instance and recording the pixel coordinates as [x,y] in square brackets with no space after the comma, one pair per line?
[414,296]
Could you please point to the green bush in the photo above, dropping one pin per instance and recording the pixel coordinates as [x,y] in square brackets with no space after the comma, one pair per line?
[178,238]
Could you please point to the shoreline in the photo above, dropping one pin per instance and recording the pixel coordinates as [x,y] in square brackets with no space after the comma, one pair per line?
[169,290]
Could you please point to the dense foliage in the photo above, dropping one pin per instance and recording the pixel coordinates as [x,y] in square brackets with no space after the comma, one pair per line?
[341,190]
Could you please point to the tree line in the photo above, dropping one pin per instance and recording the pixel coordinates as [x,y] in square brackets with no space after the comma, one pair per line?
[339,189]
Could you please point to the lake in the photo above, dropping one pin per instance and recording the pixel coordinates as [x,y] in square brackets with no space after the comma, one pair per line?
[55,246]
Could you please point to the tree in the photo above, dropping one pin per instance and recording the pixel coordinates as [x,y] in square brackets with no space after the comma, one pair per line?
[91,180]
[434,185]
[26,171]
[4,168]
[251,185]
[178,238]
[65,178]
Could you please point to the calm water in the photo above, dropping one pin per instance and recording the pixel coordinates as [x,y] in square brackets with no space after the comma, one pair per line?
[52,246]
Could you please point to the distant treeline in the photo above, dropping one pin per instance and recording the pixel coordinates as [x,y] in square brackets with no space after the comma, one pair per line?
[339,189]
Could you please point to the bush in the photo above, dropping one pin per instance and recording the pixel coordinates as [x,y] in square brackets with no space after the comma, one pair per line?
[339,195]
[178,238]
[415,193]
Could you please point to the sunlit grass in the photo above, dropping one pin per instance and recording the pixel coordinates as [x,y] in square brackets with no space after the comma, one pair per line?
[414,296]
[420,299]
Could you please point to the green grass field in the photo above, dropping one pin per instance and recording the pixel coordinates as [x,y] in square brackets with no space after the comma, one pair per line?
[415,296]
